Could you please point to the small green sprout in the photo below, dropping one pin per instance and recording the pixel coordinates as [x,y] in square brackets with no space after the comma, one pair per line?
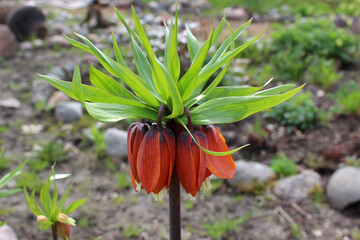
[6,178]
[51,212]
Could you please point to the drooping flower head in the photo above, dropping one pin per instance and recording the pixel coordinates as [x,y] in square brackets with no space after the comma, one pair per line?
[136,133]
[220,166]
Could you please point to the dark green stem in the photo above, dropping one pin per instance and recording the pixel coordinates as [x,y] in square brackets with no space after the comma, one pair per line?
[54,231]
[160,113]
[174,207]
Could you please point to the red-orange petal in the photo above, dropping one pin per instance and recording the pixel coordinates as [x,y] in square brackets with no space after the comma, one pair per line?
[136,133]
[167,150]
[191,161]
[220,166]
[156,159]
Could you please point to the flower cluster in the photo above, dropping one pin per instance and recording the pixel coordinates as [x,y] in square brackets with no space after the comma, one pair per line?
[154,151]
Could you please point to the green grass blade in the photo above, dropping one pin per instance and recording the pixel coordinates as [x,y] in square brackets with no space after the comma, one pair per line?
[235,91]
[113,112]
[232,109]
[62,201]
[74,205]
[102,81]
[7,177]
[45,197]
[9,192]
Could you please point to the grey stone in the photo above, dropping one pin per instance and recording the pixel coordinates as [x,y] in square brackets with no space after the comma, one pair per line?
[8,42]
[57,98]
[57,72]
[7,233]
[343,187]
[25,46]
[69,111]
[248,174]
[57,40]
[297,187]
[237,13]
[10,103]
[115,140]
[41,90]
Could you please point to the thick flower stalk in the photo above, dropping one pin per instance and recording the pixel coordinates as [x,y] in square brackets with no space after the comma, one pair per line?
[180,142]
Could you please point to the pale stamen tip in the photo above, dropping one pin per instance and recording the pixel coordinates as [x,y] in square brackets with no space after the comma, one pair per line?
[158,197]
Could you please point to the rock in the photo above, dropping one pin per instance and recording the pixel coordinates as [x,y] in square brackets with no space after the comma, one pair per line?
[58,40]
[57,98]
[248,174]
[8,43]
[26,46]
[237,13]
[41,91]
[10,103]
[115,140]
[343,187]
[27,22]
[7,233]
[201,5]
[69,111]
[297,187]
[57,72]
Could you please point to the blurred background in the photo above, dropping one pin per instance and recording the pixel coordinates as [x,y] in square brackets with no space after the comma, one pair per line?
[299,178]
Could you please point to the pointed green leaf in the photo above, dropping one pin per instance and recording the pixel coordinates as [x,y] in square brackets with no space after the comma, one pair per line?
[90,93]
[275,90]
[143,66]
[138,85]
[33,206]
[77,44]
[192,44]
[173,58]
[62,201]
[74,205]
[77,86]
[102,81]
[232,109]
[222,49]
[118,55]
[45,197]
[163,78]
[131,32]
[189,81]
[113,112]
[208,70]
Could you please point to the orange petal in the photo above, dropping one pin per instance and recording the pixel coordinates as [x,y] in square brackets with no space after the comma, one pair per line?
[135,136]
[191,161]
[220,166]
[167,150]
[149,160]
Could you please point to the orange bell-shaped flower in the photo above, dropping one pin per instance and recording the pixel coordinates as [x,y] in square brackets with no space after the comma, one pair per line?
[191,161]
[136,133]
[63,230]
[156,159]
[220,166]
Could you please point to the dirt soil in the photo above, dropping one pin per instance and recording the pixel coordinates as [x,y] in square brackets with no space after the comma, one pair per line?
[112,212]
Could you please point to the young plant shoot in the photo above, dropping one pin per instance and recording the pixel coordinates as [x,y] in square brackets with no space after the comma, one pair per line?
[175,139]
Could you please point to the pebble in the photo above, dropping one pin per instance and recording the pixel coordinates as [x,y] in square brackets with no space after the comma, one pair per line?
[248,174]
[237,13]
[8,42]
[343,187]
[57,98]
[10,103]
[41,90]
[116,141]
[297,187]
[7,233]
[69,111]
[57,72]
[57,40]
